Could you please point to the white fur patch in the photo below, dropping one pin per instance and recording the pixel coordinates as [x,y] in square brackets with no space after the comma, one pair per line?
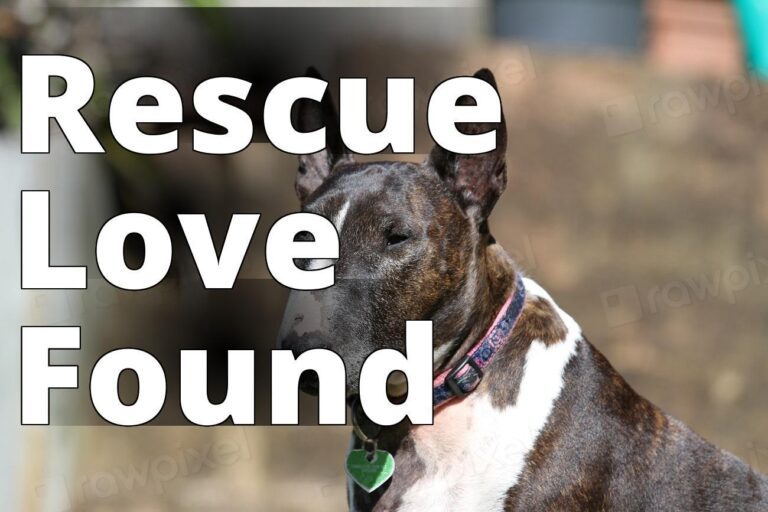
[474,453]
[341,216]
[338,222]
[304,313]
[320,263]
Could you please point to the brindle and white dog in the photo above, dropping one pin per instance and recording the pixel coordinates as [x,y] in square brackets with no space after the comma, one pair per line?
[551,426]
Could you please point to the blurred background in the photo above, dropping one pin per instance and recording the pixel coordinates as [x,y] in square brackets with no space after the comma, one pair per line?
[638,196]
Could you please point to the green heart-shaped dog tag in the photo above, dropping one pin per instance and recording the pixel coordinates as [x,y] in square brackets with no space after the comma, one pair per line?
[370,475]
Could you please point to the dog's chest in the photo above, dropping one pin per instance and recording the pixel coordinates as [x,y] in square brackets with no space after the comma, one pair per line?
[465,463]
[476,451]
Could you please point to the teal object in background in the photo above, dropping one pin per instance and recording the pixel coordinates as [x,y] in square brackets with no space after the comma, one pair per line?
[753,15]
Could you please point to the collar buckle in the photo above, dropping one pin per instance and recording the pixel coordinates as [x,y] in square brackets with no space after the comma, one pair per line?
[453,383]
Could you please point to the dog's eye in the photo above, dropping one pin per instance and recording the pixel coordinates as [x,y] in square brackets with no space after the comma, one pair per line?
[396,238]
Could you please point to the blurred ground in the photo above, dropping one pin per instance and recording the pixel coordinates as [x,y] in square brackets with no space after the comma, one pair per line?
[639,201]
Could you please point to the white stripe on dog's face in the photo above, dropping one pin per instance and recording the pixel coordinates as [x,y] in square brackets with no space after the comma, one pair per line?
[341,216]
[338,223]
[475,452]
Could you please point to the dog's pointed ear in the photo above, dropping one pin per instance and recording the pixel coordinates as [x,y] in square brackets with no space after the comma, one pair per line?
[310,116]
[476,180]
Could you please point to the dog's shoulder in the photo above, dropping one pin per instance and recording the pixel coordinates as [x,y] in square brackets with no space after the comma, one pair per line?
[479,446]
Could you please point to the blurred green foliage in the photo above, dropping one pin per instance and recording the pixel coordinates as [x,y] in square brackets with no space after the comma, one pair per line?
[203,3]
[10,92]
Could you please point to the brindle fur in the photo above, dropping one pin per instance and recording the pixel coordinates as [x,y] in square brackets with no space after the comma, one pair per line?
[603,448]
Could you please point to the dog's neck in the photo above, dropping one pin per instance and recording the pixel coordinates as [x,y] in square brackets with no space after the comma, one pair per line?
[493,282]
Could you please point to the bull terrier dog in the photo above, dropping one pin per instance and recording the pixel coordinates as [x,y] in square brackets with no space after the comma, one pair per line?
[529,415]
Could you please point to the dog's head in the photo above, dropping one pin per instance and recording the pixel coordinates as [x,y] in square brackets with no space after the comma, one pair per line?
[412,243]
